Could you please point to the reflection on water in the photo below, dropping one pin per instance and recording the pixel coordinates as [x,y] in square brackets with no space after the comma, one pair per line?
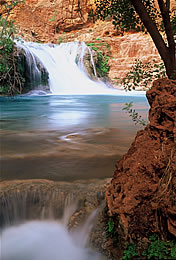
[65,137]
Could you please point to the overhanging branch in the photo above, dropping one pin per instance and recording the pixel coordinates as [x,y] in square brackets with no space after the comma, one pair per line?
[151,28]
[168,29]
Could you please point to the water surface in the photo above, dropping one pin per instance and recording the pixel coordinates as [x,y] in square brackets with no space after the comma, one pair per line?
[65,137]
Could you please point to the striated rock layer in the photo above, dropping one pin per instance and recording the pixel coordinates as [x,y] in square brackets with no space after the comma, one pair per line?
[142,193]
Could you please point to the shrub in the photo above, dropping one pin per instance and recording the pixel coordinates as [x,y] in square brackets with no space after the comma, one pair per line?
[11,80]
[103,54]
[156,249]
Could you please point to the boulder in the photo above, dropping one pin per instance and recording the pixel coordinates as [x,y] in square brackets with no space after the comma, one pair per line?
[142,193]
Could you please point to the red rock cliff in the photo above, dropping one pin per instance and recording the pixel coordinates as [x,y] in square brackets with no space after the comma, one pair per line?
[142,193]
[44,18]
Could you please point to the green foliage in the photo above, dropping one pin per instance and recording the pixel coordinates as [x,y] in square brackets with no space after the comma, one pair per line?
[116,9]
[95,48]
[125,17]
[123,13]
[98,39]
[130,253]
[111,229]
[102,66]
[53,18]
[4,89]
[100,43]
[137,119]
[6,45]
[103,51]
[90,44]
[172,246]
[59,40]
[157,249]
[11,81]
[110,226]
[142,74]
[8,28]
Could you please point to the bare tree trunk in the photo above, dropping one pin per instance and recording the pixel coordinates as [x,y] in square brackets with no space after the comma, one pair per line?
[167,53]
[170,39]
[168,5]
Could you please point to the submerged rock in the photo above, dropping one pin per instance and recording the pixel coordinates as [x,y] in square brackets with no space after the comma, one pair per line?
[142,193]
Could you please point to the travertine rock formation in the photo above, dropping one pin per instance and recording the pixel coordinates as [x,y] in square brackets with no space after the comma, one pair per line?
[142,193]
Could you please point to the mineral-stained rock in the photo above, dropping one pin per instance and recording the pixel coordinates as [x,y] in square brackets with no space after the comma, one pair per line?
[142,193]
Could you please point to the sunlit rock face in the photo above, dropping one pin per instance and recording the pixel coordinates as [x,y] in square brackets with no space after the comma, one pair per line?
[143,188]
[50,17]
[129,48]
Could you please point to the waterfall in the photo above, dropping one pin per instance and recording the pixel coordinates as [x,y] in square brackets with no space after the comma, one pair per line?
[67,72]
[65,66]
[42,241]
[27,236]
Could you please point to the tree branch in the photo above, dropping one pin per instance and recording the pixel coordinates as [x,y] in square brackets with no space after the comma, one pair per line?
[168,29]
[168,5]
[152,29]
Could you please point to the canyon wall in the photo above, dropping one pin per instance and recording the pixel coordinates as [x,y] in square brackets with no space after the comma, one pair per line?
[43,19]
[59,21]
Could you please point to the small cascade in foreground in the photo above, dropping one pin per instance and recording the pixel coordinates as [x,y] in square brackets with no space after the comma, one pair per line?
[35,227]
[65,64]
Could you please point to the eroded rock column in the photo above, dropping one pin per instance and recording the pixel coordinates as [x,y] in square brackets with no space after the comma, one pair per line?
[142,193]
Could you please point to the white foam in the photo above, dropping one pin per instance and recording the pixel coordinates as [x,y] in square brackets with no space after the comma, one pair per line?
[67,73]
[42,240]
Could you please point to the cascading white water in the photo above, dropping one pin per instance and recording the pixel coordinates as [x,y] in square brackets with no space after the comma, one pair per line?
[46,239]
[34,72]
[64,63]
[42,241]
[65,66]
